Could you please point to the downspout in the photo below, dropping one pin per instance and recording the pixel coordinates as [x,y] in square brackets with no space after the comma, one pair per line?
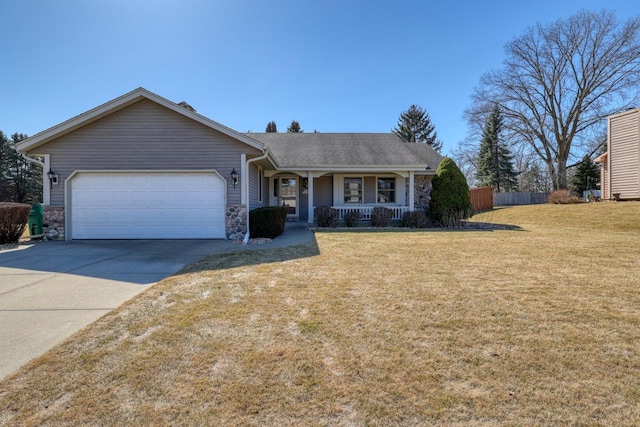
[246,184]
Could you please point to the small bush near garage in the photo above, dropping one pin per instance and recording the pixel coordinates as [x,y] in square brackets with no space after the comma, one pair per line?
[563,197]
[13,220]
[267,222]
[352,218]
[326,216]
[415,219]
[380,216]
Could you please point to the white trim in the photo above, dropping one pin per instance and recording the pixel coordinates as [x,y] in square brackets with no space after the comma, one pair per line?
[310,212]
[68,232]
[367,170]
[46,185]
[120,103]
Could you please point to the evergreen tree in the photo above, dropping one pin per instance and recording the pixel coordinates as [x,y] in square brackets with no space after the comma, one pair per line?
[294,127]
[587,176]
[450,201]
[271,127]
[495,163]
[414,125]
[20,180]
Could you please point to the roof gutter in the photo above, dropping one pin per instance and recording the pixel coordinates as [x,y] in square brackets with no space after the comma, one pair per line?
[32,160]
[246,184]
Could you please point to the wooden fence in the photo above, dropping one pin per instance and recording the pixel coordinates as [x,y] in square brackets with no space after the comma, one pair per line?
[481,198]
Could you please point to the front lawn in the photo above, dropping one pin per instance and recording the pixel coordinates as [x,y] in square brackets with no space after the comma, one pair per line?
[531,326]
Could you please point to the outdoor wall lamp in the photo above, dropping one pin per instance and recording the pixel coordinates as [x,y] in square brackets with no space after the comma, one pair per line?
[305,183]
[234,177]
[53,178]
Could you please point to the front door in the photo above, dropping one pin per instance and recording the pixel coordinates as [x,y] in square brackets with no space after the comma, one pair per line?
[289,195]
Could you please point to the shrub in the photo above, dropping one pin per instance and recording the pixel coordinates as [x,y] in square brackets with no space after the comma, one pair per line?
[380,216]
[326,216]
[450,202]
[414,219]
[563,197]
[267,222]
[13,220]
[352,218]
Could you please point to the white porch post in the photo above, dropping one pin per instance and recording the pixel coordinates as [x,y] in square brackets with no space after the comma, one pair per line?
[411,191]
[310,197]
[46,185]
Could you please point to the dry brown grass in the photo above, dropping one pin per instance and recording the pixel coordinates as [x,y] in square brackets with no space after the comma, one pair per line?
[532,327]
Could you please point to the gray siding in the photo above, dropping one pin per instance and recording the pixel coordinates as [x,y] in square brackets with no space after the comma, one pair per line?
[370,189]
[323,191]
[145,136]
[624,154]
[254,188]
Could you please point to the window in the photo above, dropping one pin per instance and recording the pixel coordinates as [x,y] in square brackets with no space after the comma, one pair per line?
[386,190]
[353,190]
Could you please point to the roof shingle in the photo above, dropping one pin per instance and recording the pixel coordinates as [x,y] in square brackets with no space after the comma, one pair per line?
[315,150]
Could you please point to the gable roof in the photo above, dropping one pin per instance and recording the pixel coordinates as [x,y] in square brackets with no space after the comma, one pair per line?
[347,150]
[119,103]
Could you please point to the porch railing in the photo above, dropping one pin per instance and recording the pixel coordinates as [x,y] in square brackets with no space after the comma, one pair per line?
[366,211]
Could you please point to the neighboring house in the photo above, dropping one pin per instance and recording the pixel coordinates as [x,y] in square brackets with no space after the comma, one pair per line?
[143,167]
[620,165]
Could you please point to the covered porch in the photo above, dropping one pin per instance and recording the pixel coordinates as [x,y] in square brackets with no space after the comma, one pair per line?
[347,191]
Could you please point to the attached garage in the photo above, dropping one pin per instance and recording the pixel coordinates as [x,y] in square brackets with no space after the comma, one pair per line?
[146,205]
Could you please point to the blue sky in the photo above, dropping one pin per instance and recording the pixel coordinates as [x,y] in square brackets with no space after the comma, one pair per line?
[334,66]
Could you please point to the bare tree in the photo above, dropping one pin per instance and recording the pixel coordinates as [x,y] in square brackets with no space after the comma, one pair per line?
[560,80]
[466,156]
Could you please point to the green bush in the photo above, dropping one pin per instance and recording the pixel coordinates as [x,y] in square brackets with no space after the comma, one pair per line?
[326,216]
[267,222]
[13,220]
[450,202]
[380,216]
[414,219]
[352,218]
[563,197]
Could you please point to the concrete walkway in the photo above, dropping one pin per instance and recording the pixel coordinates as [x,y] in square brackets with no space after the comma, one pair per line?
[51,290]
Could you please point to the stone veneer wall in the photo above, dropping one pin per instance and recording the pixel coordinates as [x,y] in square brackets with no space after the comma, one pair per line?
[422,192]
[236,221]
[53,223]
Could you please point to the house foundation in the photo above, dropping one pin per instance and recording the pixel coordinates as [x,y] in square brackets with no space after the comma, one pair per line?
[421,192]
[236,222]
[53,225]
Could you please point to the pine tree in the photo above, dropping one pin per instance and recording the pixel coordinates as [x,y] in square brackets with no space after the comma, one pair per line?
[495,163]
[20,180]
[271,127]
[294,127]
[587,176]
[414,125]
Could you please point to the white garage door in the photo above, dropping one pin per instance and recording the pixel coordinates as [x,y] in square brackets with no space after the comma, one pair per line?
[145,205]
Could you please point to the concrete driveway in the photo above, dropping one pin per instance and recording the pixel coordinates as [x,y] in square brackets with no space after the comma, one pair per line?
[50,290]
